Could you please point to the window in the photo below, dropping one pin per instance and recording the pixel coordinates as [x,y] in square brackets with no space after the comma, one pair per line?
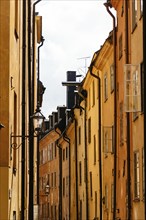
[134,14]
[136,175]
[63,186]
[55,150]
[106,196]
[89,130]
[106,142]
[48,210]
[66,153]
[120,46]
[54,179]
[93,93]
[143,175]
[105,87]
[95,204]
[142,87]
[89,101]
[79,135]
[135,94]
[121,125]
[80,173]
[16,18]
[80,210]
[141,7]
[94,149]
[63,154]
[91,191]
[112,197]
[67,185]
[112,77]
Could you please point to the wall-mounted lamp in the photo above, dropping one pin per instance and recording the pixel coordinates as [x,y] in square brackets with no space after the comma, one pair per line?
[1,126]
[38,119]
[47,191]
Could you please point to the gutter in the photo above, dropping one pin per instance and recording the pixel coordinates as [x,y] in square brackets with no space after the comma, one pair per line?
[107,5]
[86,154]
[144,60]
[31,110]
[23,175]
[38,104]
[99,139]
[67,139]
[128,119]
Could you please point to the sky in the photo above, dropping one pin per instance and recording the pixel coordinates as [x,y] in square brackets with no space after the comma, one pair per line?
[73,30]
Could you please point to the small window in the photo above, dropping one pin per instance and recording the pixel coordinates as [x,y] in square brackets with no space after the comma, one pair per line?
[93,93]
[79,135]
[89,130]
[134,14]
[112,77]
[16,18]
[80,173]
[136,176]
[106,196]
[91,190]
[80,214]
[105,87]
[94,149]
[141,7]
[121,125]
[120,46]
[67,185]
[143,175]
[54,179]
[142,87]
[112,197]
[63,186]
[63,154]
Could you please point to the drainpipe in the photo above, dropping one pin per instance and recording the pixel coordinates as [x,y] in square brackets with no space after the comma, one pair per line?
[23,181]
[144,60]
[86,157]
[76,169]
[128,117]
[60,175]
[67,139]
[38,105]
[31,129]
[99,139]
[108,5]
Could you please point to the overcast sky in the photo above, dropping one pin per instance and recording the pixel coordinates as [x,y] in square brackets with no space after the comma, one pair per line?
[73,31]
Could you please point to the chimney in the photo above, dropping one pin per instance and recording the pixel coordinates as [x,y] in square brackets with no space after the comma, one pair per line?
[71,76]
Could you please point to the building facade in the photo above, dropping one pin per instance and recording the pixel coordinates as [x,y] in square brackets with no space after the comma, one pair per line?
[18,100]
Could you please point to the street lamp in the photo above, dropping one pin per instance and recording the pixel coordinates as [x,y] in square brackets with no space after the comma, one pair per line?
[38,119]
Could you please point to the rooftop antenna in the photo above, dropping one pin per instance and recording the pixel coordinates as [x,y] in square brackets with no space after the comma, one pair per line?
[84,68]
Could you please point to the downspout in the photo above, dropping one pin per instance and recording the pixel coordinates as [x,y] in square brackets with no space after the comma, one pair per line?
[60,176]
[107,5]
[31,111]
[38,105]
[23,181]
[67,139]
[86,157]
[76,169]
[144,61]
[128,117]
[99,139]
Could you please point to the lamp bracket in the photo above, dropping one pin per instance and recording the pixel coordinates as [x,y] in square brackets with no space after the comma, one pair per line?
[15,145]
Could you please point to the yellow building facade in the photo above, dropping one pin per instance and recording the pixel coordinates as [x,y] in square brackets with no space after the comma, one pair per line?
[130,137]
[15,69]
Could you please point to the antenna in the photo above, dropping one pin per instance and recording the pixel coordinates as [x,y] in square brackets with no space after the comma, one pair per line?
[84,68]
